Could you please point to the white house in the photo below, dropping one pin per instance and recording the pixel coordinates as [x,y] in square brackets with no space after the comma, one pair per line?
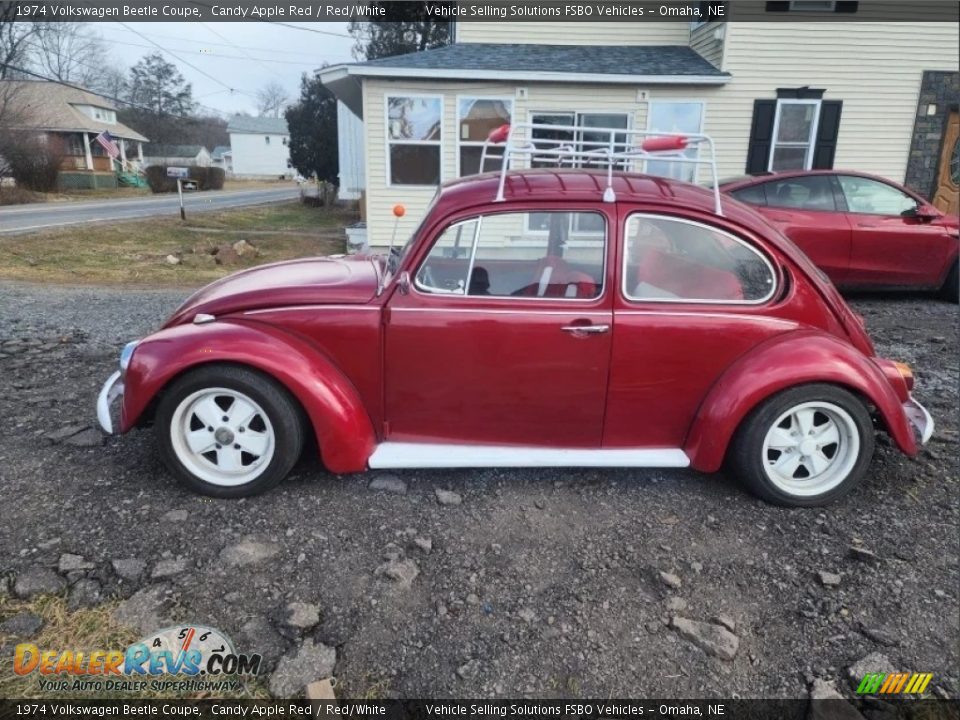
[794,91]
[176,155]
[222,157]
[259,147]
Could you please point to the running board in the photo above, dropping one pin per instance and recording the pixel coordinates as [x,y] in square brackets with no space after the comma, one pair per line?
[397,455]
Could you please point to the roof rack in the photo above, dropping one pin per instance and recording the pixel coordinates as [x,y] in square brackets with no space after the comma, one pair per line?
[576,146]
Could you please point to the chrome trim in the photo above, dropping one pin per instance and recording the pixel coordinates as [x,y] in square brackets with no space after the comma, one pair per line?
[126,354]
[111,390]
[499,311]
[919,418]
[693,301]
[203,318]
[294,308]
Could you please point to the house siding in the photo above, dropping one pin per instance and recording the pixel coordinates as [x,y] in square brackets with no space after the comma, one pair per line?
[704,41]
[253,157]
[575,33]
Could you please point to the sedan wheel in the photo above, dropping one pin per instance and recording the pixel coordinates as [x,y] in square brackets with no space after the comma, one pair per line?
[805,446]
[228,431]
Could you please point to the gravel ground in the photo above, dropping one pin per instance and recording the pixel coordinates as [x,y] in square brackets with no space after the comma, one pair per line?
[537,583]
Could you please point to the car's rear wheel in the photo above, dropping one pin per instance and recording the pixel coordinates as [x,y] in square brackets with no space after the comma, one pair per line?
[951,288]
[228,431]
[805,446]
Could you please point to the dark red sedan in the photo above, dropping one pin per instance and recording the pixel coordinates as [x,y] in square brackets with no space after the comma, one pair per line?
[862,230]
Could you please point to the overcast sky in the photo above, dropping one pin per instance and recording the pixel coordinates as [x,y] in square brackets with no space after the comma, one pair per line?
[243,56]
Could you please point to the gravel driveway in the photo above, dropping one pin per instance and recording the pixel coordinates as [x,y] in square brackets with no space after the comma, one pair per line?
[539,582]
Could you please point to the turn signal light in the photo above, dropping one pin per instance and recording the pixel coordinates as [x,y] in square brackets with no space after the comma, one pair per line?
[906,373]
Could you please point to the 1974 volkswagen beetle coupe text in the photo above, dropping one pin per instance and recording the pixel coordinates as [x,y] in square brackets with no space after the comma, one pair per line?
[536,317]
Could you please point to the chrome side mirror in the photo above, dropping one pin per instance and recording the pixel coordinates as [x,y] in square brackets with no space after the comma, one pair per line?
[403,282]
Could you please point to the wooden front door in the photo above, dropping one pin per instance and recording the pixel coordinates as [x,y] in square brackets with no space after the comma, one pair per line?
[947,197]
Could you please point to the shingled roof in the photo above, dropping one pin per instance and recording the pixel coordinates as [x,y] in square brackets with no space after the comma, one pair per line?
[648,60]
[258,125]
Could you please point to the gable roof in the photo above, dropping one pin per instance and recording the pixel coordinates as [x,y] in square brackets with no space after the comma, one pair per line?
[258,125]
[181,151]
[219,151]
[593,64]
[51,107]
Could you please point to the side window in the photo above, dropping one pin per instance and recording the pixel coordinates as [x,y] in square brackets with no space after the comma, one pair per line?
[752,194]
[813,192]
[864,195]
[524,255]
[670,260]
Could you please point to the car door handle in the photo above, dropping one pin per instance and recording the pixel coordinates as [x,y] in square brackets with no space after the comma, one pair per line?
[863,224]
[586,329]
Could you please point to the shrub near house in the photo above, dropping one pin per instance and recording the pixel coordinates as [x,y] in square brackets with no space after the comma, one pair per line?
[206,178]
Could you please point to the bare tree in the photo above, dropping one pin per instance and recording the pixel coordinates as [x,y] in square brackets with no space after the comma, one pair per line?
[112,82]
[16,38]
[271,99]
[70,52]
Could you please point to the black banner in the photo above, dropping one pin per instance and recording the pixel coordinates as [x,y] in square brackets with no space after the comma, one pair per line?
[306,11]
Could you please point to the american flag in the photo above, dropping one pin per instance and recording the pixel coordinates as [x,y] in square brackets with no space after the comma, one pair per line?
[109,144]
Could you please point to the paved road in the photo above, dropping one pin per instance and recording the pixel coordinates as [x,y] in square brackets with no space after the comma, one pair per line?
[48,215]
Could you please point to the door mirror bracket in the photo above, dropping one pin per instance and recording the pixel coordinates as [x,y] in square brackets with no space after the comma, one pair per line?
[403,283]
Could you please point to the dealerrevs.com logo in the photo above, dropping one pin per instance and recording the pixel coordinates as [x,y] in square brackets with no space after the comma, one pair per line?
[894,683]
[186,658]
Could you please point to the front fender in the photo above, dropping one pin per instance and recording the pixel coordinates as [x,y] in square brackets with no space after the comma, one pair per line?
[784,361]
[340,421]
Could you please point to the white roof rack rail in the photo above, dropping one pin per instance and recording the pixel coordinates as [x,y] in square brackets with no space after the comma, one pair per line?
[541,145]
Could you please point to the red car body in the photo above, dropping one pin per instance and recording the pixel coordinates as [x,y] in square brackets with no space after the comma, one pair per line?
[855,244]
[389,376]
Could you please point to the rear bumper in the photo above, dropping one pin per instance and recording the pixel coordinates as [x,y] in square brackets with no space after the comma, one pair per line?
[111,390]
[919,418]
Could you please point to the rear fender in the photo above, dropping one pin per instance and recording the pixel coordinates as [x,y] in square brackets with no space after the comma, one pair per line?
[340,421]
[785,361]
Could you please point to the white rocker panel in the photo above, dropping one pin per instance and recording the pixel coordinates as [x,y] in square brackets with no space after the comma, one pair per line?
[397,455]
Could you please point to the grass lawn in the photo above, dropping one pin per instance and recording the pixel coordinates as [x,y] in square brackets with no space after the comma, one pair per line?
[86,630]
[135,252]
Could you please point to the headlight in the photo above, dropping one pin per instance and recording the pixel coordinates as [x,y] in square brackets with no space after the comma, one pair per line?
[126,354]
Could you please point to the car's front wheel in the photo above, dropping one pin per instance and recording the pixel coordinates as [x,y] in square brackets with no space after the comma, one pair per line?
[228,431]
[805,446]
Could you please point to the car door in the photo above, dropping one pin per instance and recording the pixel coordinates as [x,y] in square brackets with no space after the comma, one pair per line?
[691,299]
[891,245]
[503,333]
[804,208]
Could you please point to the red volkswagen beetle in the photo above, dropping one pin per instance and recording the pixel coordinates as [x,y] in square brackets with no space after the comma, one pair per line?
[862,230]
[537,317]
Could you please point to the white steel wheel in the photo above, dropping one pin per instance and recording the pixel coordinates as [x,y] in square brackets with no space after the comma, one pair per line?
[805,446]
[811,448]
[222,436]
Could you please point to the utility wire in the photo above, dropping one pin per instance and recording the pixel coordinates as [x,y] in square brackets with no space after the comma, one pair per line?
[300,63]
[234,45]
[269,70]
[283,24]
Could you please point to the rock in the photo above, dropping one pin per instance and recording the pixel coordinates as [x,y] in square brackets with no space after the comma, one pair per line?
[226,255]
[65,432]
[310,661]
[469,670]
[176,516]
[403,572]
[85,593]
[728,622]
[248,551]
[862,554]
[69,563]
[676,604]
[879,635]
[389,483]
[172,260]
[828,579]
[712,639]
[22,625]
[37,580]
[129,568]
[169,568]
[242,248]
[527,615]
[827,704]
[448,497]
[302,616]
[872,663]
[425,544]
[671,580]
[86,438]
[257,635]
[145,610]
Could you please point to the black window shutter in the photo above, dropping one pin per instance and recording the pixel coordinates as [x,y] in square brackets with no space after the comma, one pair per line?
[761,135]
[826,148]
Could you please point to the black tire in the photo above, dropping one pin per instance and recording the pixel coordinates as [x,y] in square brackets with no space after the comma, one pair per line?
[951,287]
[746,455]
[277,404]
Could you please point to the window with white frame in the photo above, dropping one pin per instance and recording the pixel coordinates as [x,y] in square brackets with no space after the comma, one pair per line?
[414,133]
[580,136]
[675,117]
[476,117]
[794,134]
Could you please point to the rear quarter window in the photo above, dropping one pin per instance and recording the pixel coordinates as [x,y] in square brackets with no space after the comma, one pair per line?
[752,195]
